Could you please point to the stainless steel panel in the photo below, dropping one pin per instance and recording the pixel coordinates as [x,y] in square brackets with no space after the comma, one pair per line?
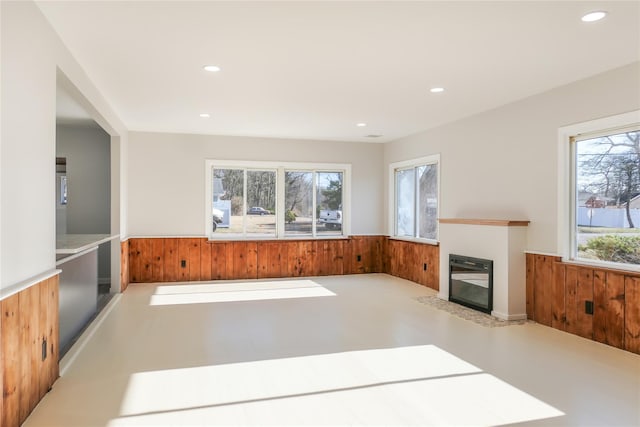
[78,295]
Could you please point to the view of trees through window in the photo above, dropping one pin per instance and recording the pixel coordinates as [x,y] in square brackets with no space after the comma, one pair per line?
[299,202]
[245,202]
[406,202]
[607,185]
[256,215]
[329,202]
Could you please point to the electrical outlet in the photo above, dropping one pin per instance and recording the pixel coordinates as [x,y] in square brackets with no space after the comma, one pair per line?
[183,263]
[359,258]
[588,307]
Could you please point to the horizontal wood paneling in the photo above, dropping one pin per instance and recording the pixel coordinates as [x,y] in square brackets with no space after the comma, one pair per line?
[29,318]
[559,300]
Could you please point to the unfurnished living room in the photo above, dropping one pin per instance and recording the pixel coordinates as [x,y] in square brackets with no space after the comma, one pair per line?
[320,213]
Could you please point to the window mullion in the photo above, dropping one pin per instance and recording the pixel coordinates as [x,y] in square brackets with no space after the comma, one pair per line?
[244,204]
[416,201]
[314,179]
[280,206]
[573,178]
[395,202]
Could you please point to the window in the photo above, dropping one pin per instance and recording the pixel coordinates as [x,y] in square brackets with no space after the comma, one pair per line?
[264,200]
[329,202]
[244,202]
[414,190]
[606,196]
[597,174]
[298,202]
[313,202]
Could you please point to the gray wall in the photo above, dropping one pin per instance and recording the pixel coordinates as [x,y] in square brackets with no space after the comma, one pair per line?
[166,176]
[31,55]
[503,163]
[88,152]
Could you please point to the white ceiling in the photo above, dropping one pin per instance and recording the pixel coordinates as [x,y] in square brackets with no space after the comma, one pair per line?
[315,69]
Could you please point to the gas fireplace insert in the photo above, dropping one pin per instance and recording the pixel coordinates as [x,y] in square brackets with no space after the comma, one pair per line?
[471,282]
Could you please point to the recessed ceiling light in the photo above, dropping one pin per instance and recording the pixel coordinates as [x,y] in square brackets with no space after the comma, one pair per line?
[361,125]
[205,115]
[594,16]
[436,89]
[212,68]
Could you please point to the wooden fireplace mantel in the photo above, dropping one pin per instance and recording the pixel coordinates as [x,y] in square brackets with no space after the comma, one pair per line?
[494,222]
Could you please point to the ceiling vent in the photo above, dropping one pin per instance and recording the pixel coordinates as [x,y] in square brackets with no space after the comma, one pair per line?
[373,136]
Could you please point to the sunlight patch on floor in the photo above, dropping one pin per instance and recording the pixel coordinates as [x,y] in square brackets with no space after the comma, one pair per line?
[420,384]
[234,292]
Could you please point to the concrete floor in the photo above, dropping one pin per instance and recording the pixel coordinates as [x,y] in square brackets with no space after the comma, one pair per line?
[329,351]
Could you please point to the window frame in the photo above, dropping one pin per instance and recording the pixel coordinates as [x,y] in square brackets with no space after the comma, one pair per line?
[393,198]
[567,177]
[280,168]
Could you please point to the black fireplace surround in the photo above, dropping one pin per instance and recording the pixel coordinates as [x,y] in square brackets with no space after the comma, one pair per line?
[471,282]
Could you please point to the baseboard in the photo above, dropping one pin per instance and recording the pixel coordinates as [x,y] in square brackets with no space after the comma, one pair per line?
[443,296]
[504,316]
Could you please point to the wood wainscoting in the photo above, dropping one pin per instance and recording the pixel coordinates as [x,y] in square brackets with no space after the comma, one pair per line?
[418,262]
[193,259]
[124,265]
[595,303]
[29,336]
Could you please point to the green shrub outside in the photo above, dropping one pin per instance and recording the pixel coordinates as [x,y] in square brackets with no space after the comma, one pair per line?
[289,217]
[624,249]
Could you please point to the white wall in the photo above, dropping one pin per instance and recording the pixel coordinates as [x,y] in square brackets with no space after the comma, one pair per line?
[166,177]
[31,53]
[502,164]
[87,150]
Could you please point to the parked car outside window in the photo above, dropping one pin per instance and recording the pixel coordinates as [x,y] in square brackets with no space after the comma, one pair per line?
[218,216]
[256,210]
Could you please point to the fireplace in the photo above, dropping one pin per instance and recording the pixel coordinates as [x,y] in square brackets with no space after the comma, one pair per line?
[471,282]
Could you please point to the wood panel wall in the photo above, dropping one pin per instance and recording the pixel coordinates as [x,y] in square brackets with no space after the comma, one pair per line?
[29,318]
[417,262]
[558,294]
[192,259]
[124,265]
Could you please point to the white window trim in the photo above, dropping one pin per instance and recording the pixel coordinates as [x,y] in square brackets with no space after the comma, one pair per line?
[405,164]
[280,168]
[566,182]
